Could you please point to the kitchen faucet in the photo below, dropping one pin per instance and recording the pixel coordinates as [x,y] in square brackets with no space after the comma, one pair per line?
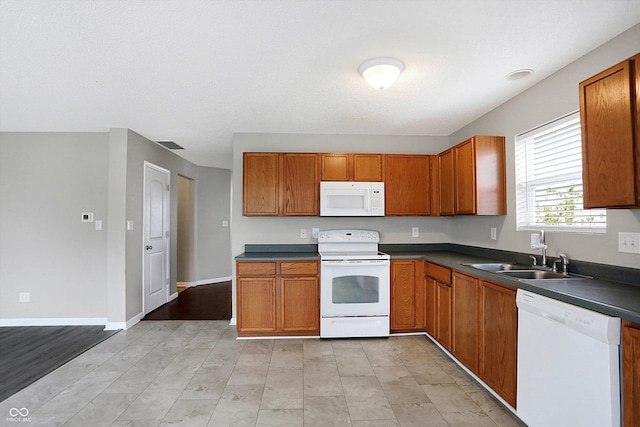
[537,242]
[565,263]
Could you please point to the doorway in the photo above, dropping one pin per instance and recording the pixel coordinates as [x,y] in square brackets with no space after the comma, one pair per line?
[186,233]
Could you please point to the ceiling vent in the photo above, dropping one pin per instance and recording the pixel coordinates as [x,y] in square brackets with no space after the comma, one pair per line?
[170,145]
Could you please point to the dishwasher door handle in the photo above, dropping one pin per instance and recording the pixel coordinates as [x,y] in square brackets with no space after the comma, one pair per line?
[552,317]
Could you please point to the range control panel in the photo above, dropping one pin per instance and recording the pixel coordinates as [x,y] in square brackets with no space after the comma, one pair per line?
[348,236]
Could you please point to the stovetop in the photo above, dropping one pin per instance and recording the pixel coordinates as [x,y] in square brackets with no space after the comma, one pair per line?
[347,255]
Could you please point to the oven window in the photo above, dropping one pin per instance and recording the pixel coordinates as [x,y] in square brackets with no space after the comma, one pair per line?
[355,290]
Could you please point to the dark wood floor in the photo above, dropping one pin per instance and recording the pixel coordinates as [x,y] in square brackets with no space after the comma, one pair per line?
[204,302]
[28,353]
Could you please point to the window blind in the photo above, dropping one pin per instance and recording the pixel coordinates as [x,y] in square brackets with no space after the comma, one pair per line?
[549,191]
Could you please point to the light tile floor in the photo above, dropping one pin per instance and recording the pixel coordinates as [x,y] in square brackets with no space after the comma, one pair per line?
[196,373]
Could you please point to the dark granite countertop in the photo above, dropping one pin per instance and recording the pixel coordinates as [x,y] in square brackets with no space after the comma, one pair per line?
[260,252]
[614,291]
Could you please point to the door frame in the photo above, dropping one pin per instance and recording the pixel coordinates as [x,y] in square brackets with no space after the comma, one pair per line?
[167,208]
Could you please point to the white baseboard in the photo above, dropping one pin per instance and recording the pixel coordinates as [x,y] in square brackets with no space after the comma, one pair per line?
[204,282]
[173,296]
[63,321]
[232,322]
[114,326]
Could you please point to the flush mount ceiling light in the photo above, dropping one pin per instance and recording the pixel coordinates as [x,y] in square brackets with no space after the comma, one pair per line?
[519,74]
[380,73]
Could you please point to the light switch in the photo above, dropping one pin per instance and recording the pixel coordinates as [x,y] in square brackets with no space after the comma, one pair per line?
[129,224]
[98,224]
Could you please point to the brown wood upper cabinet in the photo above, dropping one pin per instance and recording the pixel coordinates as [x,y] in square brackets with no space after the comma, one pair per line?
[610,120]
[446,176]
[352,167]
[407,184]
[473,177]
[279,184]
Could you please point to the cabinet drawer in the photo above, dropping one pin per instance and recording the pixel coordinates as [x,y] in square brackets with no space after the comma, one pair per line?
[299,267]
[245,268]
[441,274]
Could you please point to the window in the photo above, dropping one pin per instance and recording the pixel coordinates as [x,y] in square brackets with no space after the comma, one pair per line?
[549,179]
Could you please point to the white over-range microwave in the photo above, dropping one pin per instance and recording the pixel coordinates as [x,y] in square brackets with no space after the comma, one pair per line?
[351,198]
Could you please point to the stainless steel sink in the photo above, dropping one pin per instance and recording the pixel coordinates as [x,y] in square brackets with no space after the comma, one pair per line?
[500,266]
[535,274]
[524,272]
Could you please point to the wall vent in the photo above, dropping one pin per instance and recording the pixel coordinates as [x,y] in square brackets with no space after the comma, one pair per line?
[170,145]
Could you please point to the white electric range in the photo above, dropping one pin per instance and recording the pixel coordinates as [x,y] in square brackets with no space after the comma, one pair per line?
[355,294]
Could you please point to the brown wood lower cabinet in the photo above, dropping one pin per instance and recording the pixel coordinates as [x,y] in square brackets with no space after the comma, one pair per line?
[631,373]
[465,320]
[407,296]
[278,298]
[438,303]
[498,339]
[477,321]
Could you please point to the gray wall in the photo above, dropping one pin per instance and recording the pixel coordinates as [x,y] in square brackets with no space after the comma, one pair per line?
[213,241]
[71,270]
[46,181]
[546,101]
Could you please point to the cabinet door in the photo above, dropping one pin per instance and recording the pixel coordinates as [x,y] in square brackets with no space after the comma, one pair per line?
[465,320]
[260,184]
[301,185]
[446,178]
[256,304]
[335,167]
[367,167]
[498,339]
[631,373]
[610,154]
[435,185]
[443,320]
[300,304]
[431,305]
[407,296]
[465,182]
[407,188]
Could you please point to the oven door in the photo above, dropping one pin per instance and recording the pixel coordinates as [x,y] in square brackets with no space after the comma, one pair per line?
[355,288]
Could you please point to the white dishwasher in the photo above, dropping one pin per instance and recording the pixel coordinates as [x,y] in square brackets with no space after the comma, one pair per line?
[568,364]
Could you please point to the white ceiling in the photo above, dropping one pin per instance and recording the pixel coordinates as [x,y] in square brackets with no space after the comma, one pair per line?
[196,71]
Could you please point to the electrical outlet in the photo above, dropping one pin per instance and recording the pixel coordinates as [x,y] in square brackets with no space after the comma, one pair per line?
[493,233]
[415,232]
[24,297]
[629,242]
[315,232]
[303,233]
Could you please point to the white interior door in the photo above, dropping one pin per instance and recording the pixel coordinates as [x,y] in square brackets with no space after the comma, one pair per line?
[155,237]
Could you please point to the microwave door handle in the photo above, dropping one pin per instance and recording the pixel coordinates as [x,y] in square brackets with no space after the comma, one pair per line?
[367,200]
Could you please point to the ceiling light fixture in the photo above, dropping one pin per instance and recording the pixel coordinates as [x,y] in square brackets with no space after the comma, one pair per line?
[380,73]
[519,74]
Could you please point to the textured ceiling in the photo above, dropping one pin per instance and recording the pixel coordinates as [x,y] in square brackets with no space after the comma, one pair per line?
[195,72]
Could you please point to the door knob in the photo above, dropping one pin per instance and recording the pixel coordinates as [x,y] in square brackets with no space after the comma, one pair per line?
[148,247]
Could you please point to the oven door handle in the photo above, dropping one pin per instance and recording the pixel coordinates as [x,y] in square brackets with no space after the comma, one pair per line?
[353,263]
